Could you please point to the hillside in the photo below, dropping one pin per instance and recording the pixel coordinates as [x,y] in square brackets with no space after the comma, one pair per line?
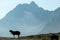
[33,37]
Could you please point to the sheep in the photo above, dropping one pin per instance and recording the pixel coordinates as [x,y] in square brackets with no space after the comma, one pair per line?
[15,33]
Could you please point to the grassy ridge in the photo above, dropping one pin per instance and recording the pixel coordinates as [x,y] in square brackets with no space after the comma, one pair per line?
[33,37]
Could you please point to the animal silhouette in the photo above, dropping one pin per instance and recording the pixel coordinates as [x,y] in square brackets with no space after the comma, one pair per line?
[15,33]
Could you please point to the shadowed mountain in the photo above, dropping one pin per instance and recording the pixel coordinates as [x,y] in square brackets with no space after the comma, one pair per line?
[29,19]
[53,25]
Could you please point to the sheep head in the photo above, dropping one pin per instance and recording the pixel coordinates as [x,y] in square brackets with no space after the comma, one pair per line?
[10,31]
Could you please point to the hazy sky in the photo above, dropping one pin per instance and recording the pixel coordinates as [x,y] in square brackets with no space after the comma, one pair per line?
[7,5]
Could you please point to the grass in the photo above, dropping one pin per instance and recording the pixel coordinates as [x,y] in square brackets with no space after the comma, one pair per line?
[33,37]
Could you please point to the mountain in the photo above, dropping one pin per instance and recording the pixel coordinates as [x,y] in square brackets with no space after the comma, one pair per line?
[29,19]
[53,25]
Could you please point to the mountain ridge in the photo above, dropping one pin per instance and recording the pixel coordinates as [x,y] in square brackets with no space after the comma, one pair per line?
[29,19]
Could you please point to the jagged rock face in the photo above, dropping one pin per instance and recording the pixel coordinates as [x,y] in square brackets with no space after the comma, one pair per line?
[30,19]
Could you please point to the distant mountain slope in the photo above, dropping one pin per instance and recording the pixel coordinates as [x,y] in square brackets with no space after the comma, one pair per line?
[53,25]
[29,19]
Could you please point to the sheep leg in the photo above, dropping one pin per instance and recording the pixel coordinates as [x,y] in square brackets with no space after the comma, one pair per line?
[14,36]
[18,36]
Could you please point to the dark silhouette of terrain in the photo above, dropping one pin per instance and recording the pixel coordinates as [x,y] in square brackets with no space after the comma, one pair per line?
[54,36]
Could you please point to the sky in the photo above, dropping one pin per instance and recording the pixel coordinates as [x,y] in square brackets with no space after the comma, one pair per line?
[8,5]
